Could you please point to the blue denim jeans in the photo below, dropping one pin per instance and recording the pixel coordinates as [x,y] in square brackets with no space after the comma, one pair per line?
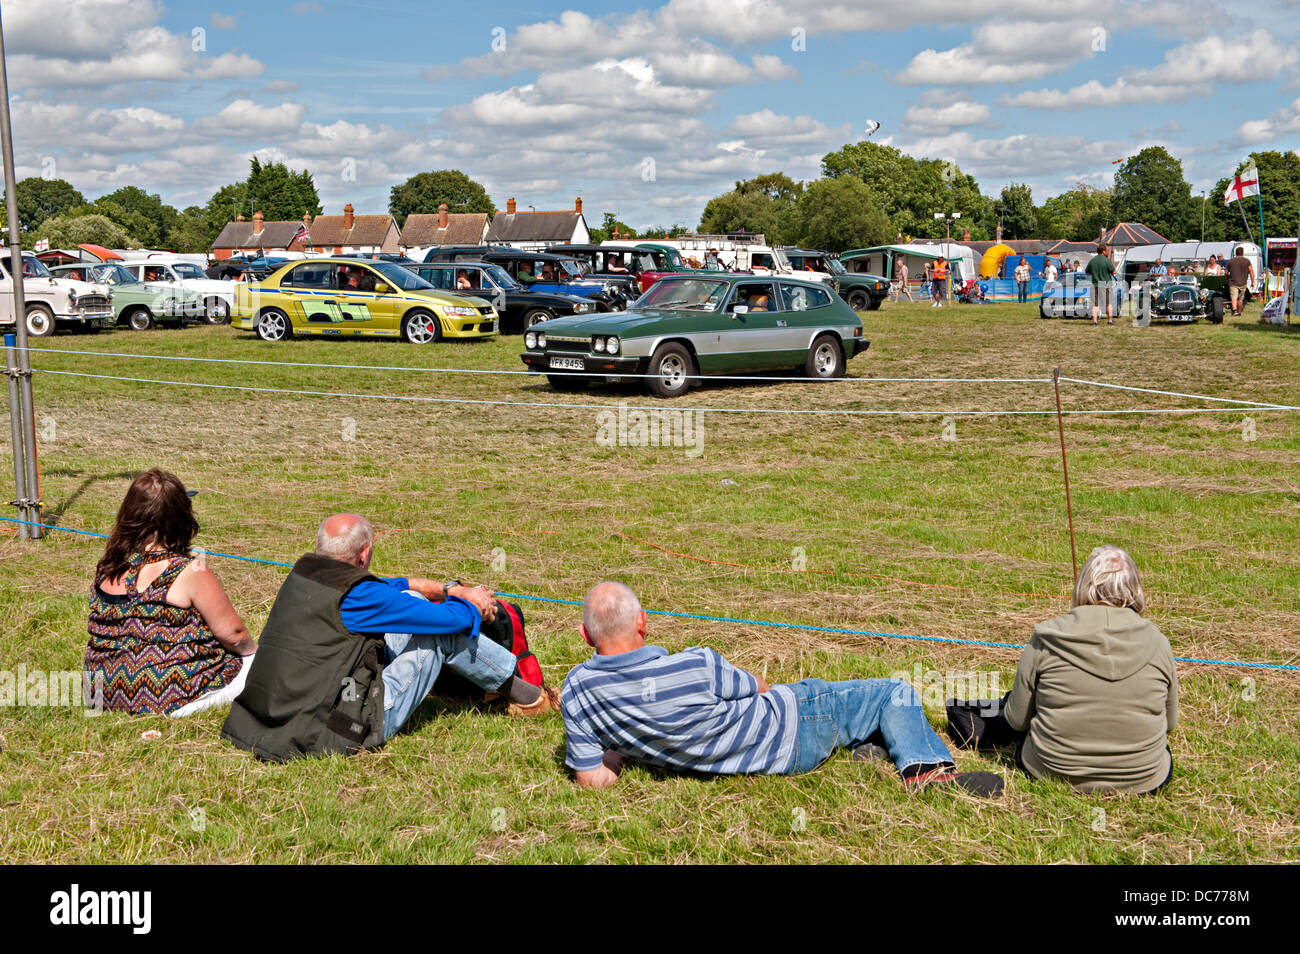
[414,662]
[836,715]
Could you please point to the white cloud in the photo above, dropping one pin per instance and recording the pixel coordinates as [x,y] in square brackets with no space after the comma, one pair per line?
[244,119]
[1284,122]
[1005,52]
[940,118]
[1094,94]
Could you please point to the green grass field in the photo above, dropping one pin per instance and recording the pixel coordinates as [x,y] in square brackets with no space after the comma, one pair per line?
[909,525]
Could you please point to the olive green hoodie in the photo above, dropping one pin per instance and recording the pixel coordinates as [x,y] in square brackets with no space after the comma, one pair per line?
[1097,691]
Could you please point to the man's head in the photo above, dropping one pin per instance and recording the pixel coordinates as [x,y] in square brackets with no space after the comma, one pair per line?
[1158,262]
[347,537]
[1239,251]
[1101,249]
[612,618]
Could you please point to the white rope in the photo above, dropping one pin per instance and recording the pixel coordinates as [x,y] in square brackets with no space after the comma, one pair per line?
[1196,397]
[606,407]
[383,367]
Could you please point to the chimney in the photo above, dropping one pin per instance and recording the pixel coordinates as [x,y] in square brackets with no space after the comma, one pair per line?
[510,206]
[306,219]
[577,205]
[258,219]
[443,219]
[348,217]
[240,217]
[965,235]
[615,232]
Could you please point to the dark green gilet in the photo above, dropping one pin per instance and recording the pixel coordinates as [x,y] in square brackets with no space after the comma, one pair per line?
[314,688]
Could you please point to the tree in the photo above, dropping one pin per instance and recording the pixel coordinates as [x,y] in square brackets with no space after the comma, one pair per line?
[1150,189]
[70,230]
[1016,208]
[190,231]
[276,191]
[39,199]
[146,217]
[840,214]
[1078,215]
[1279,193]
[763,204]
[425,191]
[912,190]
[605,230]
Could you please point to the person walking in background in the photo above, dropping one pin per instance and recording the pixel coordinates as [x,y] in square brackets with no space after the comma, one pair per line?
[1023,272]
[927,279]
[1102,272]
[164,637]
[902,288]
[1240,274]
[939,282]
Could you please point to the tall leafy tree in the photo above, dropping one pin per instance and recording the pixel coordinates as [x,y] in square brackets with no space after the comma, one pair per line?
[840,214]
[1150,189]
[273,189]
[39,199]
[1016,207]
[763,204]
[70,230]
[425,191]
[145,216]
[1079,214]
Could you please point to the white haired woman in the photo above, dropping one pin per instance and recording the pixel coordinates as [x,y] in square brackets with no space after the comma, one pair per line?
[1096,691]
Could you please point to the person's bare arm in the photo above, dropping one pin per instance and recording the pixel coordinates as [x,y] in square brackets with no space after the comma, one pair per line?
[483,599]
[762,683]
[604,776]
[197,586]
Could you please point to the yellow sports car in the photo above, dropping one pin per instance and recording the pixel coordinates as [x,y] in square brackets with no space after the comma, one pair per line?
[350,297]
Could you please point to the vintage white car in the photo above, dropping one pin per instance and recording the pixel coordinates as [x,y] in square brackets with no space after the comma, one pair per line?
[218,295]
[49,300]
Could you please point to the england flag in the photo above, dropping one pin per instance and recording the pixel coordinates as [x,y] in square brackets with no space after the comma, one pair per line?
[1244,184]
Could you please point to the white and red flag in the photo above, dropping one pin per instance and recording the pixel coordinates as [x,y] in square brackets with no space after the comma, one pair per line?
[1243,184]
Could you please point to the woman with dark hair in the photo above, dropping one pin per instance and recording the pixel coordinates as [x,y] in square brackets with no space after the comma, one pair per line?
[164,637]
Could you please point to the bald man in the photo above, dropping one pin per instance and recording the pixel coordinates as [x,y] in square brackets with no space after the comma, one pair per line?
[694,711]
[346,657]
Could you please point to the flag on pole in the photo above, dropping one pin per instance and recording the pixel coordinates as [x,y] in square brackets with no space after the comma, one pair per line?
[1242,185]
[42,245]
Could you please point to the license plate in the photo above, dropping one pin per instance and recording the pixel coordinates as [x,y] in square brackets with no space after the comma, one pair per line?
[567,364]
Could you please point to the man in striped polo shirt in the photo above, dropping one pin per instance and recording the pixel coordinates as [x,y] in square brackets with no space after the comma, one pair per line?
[693,711]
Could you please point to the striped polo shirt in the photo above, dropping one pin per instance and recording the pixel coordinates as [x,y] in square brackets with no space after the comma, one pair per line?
[690,711]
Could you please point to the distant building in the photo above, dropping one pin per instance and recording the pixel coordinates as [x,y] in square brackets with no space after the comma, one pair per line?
[260,237]
[351,233]
[424,231]
[537,230]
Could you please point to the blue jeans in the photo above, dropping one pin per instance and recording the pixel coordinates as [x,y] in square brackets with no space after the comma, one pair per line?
[414,662]
[836,715]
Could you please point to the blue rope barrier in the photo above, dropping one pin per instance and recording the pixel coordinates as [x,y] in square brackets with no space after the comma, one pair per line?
[713,619]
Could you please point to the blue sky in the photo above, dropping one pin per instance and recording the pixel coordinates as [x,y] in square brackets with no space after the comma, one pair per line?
[645,110]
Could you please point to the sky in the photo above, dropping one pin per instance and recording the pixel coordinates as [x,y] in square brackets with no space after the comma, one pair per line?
[646,111]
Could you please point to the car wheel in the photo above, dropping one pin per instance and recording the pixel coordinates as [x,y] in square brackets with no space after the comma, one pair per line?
[1216,310]
[420,327]
[40,321]
[139,319]
[567,382]
[859,300]
[216,311]
[273,325]
[825,358]
[873,303]
[1044,310]
[673,368]
[535,316]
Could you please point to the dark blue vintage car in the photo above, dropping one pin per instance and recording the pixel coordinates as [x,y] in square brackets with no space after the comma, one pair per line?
[544,272]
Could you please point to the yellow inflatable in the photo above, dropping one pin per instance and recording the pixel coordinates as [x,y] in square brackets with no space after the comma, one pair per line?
[992,260]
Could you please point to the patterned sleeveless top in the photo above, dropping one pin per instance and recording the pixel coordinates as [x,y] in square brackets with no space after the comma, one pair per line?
[153,657]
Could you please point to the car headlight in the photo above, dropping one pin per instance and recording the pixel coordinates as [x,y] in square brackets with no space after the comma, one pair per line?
[72,296]
[598,345]
[541,339]
[460,311]
[611,344]
[581,307]
[530,340]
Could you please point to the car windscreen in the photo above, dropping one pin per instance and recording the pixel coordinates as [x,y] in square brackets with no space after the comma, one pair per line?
[836,267]
[401,278]
[501,276]
[32,267]
[187,270]
[114,275]
[692,294]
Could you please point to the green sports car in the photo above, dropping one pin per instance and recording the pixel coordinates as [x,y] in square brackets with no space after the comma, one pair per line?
[688,326]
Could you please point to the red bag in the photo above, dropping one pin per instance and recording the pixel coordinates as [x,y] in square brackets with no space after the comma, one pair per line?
[506,630]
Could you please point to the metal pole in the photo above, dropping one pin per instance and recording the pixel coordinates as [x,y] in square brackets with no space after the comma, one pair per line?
[29,505]
[16,432]
[1065,468]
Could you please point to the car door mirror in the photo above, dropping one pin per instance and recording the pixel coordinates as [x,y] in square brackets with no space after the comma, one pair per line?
[739,310]
[382,288]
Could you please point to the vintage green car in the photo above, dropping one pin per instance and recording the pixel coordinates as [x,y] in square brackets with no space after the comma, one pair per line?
[706,323]
[1179,298]
[139,305]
